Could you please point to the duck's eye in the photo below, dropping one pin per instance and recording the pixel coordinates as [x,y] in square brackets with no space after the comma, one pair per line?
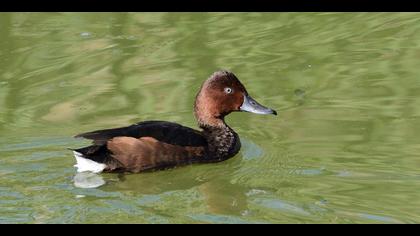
[228,90]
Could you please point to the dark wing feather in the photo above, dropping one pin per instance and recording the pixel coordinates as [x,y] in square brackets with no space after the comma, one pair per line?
[168,132]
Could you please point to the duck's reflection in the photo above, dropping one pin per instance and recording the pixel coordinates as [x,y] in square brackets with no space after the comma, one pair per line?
[88,180]
[219,194]
[213,182]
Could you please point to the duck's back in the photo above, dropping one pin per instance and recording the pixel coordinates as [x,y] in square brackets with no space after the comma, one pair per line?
[163,131]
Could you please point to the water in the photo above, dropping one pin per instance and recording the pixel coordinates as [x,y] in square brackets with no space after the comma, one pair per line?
[344,148]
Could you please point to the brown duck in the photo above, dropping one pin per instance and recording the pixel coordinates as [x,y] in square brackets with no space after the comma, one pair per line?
[153,145]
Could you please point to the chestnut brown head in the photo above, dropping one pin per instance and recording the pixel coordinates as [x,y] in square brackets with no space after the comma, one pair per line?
[222,94]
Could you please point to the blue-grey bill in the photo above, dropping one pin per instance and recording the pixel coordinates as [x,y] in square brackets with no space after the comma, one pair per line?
[250,105]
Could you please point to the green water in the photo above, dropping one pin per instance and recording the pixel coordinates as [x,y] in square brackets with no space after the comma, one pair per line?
[343,149]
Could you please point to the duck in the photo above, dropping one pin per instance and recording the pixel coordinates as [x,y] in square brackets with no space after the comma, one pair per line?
[158,145]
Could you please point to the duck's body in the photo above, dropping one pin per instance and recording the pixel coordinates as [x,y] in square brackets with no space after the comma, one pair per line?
[152,145]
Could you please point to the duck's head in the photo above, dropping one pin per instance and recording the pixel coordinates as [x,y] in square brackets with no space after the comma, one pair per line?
[221,94]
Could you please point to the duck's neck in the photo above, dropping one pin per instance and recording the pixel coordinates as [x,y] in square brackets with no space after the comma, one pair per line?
[222,141]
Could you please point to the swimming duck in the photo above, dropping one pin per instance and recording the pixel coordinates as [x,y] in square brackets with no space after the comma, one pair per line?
[154,145]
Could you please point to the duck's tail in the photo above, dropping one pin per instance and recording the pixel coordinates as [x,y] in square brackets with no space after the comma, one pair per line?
[84,163]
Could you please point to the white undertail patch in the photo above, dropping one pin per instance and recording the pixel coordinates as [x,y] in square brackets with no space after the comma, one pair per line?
[84,164]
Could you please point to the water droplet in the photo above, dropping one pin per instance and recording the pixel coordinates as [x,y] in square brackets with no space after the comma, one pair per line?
[85,34]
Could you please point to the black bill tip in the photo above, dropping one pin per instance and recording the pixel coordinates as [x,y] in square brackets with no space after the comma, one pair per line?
[274,112]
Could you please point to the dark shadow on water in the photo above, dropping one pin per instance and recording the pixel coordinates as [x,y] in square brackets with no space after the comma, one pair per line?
[221,195]
[213,182]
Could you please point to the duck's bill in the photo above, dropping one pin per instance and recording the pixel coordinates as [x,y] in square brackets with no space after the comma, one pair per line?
[250,105]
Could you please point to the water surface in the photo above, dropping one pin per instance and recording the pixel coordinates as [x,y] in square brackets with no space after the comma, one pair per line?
[343,149]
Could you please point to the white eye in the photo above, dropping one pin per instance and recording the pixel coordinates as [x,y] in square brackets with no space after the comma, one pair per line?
[228,90]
